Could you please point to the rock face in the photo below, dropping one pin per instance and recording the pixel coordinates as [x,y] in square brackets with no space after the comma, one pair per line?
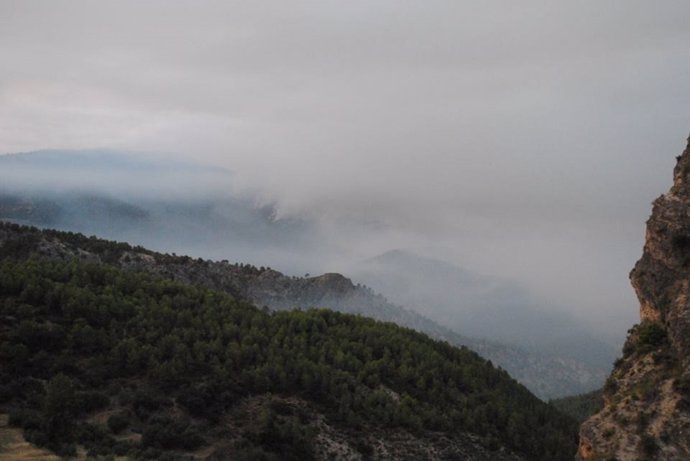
[647,398]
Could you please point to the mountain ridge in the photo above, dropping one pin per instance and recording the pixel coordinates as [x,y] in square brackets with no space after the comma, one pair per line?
[267,287]
[140,202]
[86,340]
[136,198]
[487,306]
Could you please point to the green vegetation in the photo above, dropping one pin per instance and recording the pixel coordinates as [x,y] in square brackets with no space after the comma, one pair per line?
[651,335]
[648,445]
[169,361]
[580,407]
[544,376]
[644,338]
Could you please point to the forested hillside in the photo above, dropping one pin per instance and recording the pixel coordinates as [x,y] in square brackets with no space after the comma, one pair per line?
[122,362]
[546,377]
[580,406]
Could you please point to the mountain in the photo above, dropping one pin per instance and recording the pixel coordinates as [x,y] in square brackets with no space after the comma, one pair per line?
[547,377]
[646,414]
[488,307]
[105,349]
[138,198]
[582,406]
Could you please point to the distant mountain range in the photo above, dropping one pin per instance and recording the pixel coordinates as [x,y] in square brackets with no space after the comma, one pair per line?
[482,306]
[165,205]
[188,209]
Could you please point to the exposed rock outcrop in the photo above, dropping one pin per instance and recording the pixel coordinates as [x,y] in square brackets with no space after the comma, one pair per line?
[647,398]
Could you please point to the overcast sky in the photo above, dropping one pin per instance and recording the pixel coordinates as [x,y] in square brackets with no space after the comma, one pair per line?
[524,139]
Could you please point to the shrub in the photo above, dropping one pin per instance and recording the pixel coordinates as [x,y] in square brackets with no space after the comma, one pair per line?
[147,401]
[682,384]
[648,445]
[611,385]
[122,448]
[650,335]
[118,422]
[168,433]
[644,338]
[27,418]
[66,450]
[91,401]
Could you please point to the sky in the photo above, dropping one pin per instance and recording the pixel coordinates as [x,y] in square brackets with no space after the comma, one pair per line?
[520,139]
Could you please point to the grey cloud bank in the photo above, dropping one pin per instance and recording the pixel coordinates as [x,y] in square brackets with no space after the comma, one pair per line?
[525,141]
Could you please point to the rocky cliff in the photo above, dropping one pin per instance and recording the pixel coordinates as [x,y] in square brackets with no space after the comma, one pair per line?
[647,398]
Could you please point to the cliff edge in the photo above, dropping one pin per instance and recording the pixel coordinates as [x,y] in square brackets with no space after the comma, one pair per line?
[646,415]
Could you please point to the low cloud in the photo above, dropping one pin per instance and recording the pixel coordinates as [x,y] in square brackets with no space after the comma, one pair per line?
[524,140]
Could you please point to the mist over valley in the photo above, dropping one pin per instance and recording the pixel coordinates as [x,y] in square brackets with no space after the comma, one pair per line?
[136,198]
[351,231]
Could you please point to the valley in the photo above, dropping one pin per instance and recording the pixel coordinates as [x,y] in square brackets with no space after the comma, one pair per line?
[554,356]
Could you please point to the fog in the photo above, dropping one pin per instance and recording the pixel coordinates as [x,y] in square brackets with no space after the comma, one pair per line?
[518,141]
[146,199]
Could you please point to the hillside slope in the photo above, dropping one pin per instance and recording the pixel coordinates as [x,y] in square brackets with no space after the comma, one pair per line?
[123,362]
[647,398]
[547,377]
[486,305]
